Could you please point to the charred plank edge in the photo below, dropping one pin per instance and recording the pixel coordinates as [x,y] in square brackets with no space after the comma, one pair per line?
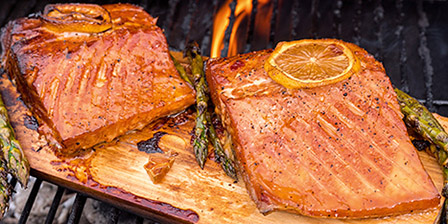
[123,200]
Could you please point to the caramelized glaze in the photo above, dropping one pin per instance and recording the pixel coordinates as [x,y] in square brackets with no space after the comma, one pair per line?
[339,151]
[93,84]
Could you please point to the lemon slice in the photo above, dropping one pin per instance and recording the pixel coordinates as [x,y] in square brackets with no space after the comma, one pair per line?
[311,63]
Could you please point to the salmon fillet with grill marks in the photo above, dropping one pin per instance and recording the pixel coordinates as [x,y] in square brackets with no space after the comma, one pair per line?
[87,88]
[339,151]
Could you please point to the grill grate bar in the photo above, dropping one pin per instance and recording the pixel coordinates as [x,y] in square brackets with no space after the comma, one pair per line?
[295,18]
[19,8]
[314,18]
[229,28]
[274,18]
[78,206]
[250,33]
[378,18]
[114,215]
[144,4]
[13,182]
[357,22]
[188,21]
[6,11]
[337,27]
[435,102]
[402,49]
[425,56]
[54,205]
[206,41]
[173,5]
[30,201]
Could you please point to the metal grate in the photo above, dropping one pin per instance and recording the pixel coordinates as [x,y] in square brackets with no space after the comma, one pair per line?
[409,37]
[29,203]
[54,205]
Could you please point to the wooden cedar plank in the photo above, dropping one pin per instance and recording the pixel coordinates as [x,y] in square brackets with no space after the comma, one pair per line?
[114,172]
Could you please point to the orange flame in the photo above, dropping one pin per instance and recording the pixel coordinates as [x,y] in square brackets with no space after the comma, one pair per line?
[242,11]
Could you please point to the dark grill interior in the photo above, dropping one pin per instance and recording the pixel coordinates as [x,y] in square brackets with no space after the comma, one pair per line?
[409,37]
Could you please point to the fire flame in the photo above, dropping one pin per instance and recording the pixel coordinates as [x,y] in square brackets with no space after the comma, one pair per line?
[242,13]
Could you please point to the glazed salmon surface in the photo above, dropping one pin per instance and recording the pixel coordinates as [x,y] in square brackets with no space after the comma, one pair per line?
[339,151]
[88,88]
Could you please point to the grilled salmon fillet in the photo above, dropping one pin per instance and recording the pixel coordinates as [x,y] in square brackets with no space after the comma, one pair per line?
[89,83]
[338,151]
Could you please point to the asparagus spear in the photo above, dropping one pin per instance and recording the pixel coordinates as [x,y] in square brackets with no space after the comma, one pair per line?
[422,120]
[226,163]
[181,70]
[13,154]
[417,117]
[5,189]
[200,144]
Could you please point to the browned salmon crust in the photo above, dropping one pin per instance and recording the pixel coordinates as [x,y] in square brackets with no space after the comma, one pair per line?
[339,151]
[89,88]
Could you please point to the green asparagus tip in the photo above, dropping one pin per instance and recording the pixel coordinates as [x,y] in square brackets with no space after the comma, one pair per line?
[181,70]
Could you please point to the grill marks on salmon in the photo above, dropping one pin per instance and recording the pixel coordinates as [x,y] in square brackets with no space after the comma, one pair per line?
[87,88]
[340,150]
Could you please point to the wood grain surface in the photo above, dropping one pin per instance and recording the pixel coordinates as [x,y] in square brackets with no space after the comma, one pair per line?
[114,172]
